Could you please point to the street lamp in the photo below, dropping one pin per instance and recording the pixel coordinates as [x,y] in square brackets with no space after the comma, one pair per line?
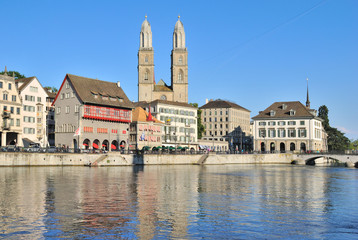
[212,135]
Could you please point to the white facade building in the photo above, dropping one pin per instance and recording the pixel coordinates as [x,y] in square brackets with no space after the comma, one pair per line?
[180,121]
[288,126]
[33,97]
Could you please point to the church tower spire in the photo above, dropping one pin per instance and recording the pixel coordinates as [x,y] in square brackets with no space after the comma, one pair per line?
[179,68]
[308,98]
[145,63]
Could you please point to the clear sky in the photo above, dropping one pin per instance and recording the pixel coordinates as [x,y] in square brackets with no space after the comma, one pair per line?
[252,52]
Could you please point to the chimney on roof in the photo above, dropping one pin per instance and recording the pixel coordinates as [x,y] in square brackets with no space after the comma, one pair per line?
[118,84]
[5,72]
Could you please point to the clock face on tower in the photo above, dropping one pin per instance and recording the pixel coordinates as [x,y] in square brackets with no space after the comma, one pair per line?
[163,97]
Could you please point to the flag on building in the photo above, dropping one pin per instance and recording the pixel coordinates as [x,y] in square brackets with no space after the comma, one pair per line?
[78,132]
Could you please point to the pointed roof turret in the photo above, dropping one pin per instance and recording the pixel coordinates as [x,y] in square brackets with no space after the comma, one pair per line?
[308,104]
[146,34]
[179,35]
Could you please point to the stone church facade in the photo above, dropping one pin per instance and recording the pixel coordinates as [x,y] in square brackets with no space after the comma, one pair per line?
[148,89]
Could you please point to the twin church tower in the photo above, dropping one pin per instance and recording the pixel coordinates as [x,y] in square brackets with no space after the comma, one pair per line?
[148,89]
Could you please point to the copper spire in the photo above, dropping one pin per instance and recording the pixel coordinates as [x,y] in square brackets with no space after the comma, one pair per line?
[308,98]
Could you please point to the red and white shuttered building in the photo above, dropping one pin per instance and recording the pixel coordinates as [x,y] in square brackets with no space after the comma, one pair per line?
[92,114]
[145,130]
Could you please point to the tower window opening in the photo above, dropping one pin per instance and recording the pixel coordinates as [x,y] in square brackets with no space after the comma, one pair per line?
[146,76]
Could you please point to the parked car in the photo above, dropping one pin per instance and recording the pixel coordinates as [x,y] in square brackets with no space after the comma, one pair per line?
[34,148]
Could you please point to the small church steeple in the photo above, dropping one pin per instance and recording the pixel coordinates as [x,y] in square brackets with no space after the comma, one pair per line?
[308,104]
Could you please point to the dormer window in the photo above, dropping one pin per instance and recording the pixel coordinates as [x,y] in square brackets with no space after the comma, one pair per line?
[292,112]
[272,113]
[284,106]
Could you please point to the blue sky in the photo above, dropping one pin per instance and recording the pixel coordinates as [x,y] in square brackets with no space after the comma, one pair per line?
[251,52]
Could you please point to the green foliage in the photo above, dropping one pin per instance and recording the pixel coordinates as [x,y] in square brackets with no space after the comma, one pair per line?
[323,113]
[17,74]
[336,140]
[200,126]
[53,89]
[354,144]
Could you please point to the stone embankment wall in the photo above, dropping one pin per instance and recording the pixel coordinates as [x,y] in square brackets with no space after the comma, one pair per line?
[117,159]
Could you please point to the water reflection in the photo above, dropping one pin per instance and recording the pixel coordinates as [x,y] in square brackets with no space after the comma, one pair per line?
[185,202]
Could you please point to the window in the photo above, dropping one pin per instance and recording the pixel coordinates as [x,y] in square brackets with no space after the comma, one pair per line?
[4,96]
[11,122]
[39,120]
[5,108]
[67,109]
[17,122]
[77,107]
[262,123]
[272,113]
[29,98]
[292,112]
[9,86]
[0,84]
[13,98]
[58,110]
[68,95]
[180,77]
[272,123]
[272,133]
[33,89]
[146,59]
[38,99]
[62,95]
[262,133]
[281,123]
[180,59]
[12,109]
[67,85]
[146,76]
[18,110]
[302,123]
[302,132]
[291,123]
[39,108]
[281,133]
[291,133]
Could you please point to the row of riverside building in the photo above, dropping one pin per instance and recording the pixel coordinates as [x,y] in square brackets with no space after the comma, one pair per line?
[91,114]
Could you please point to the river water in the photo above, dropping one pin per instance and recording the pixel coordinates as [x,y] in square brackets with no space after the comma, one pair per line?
[182,202]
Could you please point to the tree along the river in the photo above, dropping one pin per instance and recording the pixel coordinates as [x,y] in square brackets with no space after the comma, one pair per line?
[200,126]
[336,140]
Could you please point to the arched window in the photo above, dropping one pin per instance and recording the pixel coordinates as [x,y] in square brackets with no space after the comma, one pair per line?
[146,75]
[180,60]
[180,77]
[146,59]
[142,39]
[175,40]
[147,39]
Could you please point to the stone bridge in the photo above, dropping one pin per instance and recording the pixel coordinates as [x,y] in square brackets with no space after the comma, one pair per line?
[327,159]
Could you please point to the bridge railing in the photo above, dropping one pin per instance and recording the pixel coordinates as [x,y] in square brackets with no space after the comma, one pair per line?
[329,152]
